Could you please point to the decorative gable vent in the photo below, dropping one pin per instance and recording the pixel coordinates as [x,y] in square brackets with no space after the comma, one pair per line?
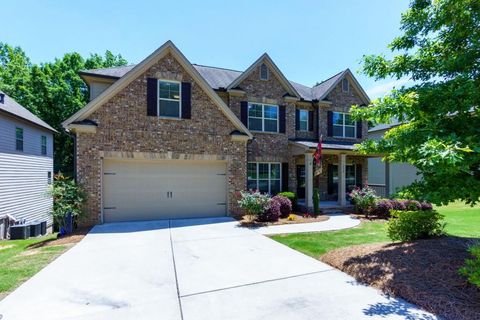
[263,72]
[345,85]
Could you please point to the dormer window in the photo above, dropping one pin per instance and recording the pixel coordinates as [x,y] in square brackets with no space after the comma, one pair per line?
[345,85]
[263,72]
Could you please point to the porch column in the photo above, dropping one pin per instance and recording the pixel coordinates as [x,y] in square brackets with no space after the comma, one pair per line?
[342,161]
[308,180]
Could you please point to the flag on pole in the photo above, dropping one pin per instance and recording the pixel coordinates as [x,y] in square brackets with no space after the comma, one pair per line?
[318,157]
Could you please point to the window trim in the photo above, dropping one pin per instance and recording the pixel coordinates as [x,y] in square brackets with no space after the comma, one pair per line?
[348,85]
[267,72]
[263,117]
[17,139]
[165,99]
[300,119]
[343,125]
[42,146]
[257,179]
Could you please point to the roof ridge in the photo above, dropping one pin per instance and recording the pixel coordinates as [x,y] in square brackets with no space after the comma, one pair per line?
[115,67]
[330,78]
[202,65]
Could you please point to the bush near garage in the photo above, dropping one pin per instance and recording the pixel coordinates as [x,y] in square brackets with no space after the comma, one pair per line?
[412,225]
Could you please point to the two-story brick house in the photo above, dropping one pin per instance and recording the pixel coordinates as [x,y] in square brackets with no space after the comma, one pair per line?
[167,138]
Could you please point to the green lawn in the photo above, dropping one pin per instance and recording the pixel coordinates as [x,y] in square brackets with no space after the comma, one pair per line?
[19,260]
[462,220]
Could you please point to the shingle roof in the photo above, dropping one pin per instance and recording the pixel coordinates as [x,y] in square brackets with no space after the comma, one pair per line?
[385,126]
[11,106]
[220,78]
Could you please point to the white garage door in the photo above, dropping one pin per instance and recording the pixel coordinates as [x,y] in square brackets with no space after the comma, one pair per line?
[163,189]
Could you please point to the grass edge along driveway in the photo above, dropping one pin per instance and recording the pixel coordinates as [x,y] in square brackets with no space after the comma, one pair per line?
[461,220]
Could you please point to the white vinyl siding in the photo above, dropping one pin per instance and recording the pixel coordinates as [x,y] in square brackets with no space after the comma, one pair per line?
[24,186]
[31,137]
[24,174]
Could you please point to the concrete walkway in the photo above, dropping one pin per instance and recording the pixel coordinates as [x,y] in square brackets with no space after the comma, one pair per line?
[193,269]
[335,222]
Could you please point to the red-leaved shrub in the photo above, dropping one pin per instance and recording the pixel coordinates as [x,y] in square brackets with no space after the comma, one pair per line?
[285,205]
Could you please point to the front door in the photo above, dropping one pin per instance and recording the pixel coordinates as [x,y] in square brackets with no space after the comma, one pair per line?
[351,176]
[301,181]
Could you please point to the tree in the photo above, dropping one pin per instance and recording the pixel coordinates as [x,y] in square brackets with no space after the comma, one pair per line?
[53,91]
[440,132]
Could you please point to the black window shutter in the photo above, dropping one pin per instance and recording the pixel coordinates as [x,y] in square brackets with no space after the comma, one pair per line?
[358,175]
[311,114]
[186,100]
[281,114]
[297,119]
[152,98]
[330,179]
[285,176]
[359,129]
[330,123]
[244,113]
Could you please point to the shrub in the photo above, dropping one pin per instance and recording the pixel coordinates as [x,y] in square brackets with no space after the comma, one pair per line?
[412,225]
[285,205]
[426,206]
[398,205]
[383,207]
[364,199]
[412,205]
[68,197]
[271,212]
[291,196]
[253,203]
[472,266]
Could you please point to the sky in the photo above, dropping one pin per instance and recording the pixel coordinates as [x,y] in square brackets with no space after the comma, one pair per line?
[308,40]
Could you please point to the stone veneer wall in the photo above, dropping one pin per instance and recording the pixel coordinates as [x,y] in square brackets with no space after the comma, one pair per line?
[268,147]
[341,102]
[125,130]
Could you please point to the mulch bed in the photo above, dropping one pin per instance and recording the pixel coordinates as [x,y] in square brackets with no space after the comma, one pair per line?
[424,273]
[72,238]
[299,218]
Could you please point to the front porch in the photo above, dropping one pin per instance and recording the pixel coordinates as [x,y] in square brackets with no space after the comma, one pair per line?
[327,206]
[341,169]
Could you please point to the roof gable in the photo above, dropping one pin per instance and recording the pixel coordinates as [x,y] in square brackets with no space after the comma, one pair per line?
[322,90]
[265,58]
[142,67]
[12,107]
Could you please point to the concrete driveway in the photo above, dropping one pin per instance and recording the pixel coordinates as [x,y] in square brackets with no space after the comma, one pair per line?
[193,269]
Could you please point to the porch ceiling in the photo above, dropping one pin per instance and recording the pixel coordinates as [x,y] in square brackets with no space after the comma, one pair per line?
[328,147]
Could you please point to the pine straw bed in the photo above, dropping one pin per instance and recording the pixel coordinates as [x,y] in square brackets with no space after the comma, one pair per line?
[424,273]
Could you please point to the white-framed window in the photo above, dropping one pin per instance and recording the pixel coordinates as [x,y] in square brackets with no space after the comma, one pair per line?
[343,125]
[303,118]
[169,99]
[264,176]
[345,85]
[43,144]
[19,139]
[262,117]
[263,72]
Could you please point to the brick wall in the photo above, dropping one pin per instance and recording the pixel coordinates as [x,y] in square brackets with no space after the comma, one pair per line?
[123,126]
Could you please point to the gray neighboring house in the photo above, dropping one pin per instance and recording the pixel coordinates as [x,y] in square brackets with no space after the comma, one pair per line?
[26,164]
[385,177]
